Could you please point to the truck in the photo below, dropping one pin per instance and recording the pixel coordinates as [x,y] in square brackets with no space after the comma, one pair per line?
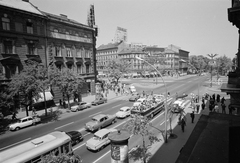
[24,122]
[150,108]
[100,121]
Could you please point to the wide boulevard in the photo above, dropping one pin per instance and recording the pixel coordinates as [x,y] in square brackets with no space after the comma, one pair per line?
[78,121]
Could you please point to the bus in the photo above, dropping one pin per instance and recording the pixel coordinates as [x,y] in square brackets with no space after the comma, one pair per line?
[34,150]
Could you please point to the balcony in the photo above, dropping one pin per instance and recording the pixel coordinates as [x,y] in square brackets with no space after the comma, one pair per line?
[35,58]
[87,61]
[10,59]
[79,61]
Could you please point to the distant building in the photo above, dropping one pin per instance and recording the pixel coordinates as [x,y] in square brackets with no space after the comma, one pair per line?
[120,35]
[26,33]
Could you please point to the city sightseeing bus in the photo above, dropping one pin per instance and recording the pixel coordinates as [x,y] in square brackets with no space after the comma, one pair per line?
[34,150]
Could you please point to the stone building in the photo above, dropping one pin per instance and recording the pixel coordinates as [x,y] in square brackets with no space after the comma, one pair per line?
[27,33]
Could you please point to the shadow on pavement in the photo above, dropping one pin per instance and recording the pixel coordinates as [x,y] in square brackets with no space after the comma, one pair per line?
[51,116]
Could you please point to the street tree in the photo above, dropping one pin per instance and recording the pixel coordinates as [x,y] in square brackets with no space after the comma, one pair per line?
[68,83]
[158,60]
[116,68]
[139,125]
[25,85]
[63,158]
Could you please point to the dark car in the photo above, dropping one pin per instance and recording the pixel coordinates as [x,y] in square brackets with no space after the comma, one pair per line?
[135,96]
[75,136]
[99,101]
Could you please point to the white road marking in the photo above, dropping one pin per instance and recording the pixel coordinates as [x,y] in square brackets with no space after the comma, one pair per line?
[101,157]
[78,147]
[81,130]
[95,114]
[63,125]
[116,106]
[15,143]
[86,134]
[163,122]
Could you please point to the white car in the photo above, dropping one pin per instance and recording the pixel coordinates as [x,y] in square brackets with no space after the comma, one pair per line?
[124,112]
[99,140]
[132,88]
[24,122]
[139,101]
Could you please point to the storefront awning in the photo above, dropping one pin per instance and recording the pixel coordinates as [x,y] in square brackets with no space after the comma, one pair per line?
[48,96]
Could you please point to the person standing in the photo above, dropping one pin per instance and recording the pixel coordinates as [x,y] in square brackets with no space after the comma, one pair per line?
[223,108]
[198,106]
[230,109]
[192,116]
[218,98]
[216,109]
[183,124]
[203,106]
[223,100]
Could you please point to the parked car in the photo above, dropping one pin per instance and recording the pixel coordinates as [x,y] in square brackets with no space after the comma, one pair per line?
[132,88]
[99,140]
[81,106]
[75,136]
[135,96]
[99,121]
[99,101]
[124,112]
[24,122]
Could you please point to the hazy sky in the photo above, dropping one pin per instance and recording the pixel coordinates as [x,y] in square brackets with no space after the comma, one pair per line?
[198,26]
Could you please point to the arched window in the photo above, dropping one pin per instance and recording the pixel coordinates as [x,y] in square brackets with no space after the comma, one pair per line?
[5,22]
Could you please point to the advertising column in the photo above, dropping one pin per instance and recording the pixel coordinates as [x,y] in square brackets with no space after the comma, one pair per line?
[119,146]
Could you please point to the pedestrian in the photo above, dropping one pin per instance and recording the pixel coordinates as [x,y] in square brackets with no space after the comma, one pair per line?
[223,108]
[192,116]
[183,124]
[223,100]
[203,106]
[198,106]
[216,109]
[230,109]
[218,98]
[213,97]
[14,116]
[143,94]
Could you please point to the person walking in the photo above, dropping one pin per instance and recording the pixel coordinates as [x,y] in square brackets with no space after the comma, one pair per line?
[223,100]
[192,116]
[218,98]
[183,124]
[223,108]
[198,106]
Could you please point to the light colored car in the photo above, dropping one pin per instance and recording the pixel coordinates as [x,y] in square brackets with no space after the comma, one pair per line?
[24,122]
[139,101]
[99,140]
[99,121]
[132,88]
[99,101]
[81,106]
[124,112]
[158,97]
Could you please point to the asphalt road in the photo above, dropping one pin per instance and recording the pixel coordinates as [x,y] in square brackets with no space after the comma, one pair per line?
[77,121]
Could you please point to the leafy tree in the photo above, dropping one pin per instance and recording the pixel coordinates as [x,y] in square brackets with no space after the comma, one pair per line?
[139,125]
[25,85]
[67,82]
[116,68]
[155,59]
[63,158]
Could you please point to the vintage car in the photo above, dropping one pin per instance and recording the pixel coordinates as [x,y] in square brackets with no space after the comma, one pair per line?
[99,101]
[178,105]
[135,96]
[100,121]
[75,136]
[124,112]
[24,122]
[81,106]
[99,140]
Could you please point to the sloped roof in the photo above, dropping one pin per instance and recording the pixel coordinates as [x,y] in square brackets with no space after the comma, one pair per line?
[20,5]
[65,19]
[169,51]
[153,48]
[108,46]
[131,50]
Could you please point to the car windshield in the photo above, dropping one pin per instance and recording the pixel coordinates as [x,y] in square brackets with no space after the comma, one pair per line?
[95,137]
[122,110]
[94,119]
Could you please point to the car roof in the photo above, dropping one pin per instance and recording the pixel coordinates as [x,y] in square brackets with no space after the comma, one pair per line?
[72,132]
[124,108]
[99,116]
[178,101]
[82,102]
[104,131]
[26,117]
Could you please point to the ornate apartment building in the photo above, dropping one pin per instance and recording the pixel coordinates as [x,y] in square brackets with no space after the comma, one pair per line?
[26,33]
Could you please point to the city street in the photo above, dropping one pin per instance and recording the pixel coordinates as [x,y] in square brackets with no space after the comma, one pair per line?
[77,121]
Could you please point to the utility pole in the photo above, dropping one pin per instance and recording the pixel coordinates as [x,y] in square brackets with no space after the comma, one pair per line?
[212,62]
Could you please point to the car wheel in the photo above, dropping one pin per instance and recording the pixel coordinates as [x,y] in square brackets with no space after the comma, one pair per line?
[17,128]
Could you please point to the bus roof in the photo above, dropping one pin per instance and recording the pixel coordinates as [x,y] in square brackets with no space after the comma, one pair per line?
[39,145]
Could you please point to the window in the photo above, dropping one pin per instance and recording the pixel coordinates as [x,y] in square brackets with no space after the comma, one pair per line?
[59,67]
[6,22]
[8,47]
[29,25]
[69,53]
[69,66]
[58,52]
[31,49]
[87,69]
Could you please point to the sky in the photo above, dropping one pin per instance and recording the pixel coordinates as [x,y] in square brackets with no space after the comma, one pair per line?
[200,27]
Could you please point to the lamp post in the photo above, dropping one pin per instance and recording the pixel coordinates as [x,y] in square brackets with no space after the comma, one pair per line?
[211,56]
[198,74]
[165,105]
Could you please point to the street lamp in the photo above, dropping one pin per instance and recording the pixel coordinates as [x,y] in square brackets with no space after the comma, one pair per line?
[212,62]
[165,105]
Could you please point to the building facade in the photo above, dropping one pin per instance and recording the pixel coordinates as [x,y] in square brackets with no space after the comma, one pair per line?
[26,33]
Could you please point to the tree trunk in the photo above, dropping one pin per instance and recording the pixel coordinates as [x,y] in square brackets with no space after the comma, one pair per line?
[26,110]
[68,102]
[144,151]
[45,103]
